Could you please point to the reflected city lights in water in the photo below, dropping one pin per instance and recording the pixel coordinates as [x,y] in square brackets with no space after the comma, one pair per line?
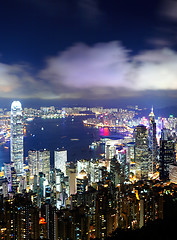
[104,132]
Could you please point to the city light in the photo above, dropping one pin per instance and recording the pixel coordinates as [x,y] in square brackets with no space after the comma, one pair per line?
[137,161]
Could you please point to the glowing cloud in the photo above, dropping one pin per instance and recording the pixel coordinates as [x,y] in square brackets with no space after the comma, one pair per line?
[102,70]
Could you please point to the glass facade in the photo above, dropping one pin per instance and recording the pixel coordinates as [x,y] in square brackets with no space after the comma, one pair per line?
[16,140]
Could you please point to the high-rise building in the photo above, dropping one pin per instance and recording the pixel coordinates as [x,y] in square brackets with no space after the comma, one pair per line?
[21,218]
[105,214]
[110,148]
[39,161]
[83,165]
[16,141]
[82,182]
[115,169]
[7,174]
[173,173]
[95,173]
[130,152]
[33,162]
[60,159]
[142,153]
[71,172]
[44,163]
[167,155]
[152,139]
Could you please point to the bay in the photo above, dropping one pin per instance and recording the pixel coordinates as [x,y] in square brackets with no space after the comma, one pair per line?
[68,133]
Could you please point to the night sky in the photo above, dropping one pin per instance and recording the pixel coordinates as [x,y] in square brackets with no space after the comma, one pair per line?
[120,50]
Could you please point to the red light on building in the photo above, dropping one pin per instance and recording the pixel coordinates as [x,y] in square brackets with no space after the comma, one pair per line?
[106,131]
[42,220]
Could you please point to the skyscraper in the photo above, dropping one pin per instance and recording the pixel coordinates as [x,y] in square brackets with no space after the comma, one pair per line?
[44,163]
[33,162]
[142,153]
[60,159]
[152,139]
[16,141]
[167,154]
[39,161]
[82,182]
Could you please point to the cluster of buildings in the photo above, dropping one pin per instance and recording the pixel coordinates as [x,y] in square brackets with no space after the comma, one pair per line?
[111,118]
[132,184]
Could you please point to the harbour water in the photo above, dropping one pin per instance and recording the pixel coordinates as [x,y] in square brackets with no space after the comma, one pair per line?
[68,133]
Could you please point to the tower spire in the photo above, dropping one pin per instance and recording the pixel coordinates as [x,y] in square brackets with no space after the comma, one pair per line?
[151,115]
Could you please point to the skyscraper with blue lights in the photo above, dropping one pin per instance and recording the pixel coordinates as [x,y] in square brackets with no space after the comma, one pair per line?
[16,140]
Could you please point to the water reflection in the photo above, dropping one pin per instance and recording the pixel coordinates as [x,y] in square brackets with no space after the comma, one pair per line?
[104,132]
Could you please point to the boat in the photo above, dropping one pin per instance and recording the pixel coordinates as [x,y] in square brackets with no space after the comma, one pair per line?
[29,119]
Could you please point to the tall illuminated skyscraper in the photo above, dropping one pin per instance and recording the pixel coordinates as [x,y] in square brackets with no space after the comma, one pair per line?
[152,139]
[16,141]
[142,153]
[33,162]
[44,162]
[39,162]
[60,158]
[167,155]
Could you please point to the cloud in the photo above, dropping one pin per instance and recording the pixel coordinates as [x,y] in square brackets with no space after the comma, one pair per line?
[82,66]
[103,70]
[15,79]
[156,70]
[107,68]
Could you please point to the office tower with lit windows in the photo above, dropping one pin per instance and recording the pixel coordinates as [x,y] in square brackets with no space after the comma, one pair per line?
[39,161]
[44,163]
[152,139]
[33,162]
[83,165]
[60,159]
[115,171]
[82,182]
[21,218]
[7,175]
[142,153]
[130,152]
[16,140]
[167,155]
[95,172]
[105,212]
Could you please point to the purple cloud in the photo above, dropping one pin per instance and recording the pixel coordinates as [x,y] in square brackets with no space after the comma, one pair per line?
[82,66]
[104,70]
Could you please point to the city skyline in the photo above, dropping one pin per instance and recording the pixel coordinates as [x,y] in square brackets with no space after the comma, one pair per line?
[88,119]
[127,183]
[125,51]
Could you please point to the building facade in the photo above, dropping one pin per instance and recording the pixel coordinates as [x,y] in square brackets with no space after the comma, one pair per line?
[16,141]
[60,159]
[142,153]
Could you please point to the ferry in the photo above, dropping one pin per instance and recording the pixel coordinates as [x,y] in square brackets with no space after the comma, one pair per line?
[29,119]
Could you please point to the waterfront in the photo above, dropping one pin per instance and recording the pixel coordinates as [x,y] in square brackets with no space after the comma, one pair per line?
[69,133]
